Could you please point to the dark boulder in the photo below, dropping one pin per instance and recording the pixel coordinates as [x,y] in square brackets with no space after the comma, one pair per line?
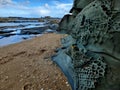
[36,30]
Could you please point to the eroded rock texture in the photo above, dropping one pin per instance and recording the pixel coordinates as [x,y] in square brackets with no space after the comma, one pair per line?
[90,55]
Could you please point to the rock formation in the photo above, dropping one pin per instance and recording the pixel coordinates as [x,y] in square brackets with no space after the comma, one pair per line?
[90,54]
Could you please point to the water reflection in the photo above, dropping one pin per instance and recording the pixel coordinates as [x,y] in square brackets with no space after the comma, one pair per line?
[15,39]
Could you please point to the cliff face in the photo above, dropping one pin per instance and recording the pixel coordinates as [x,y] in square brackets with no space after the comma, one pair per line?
[90,56]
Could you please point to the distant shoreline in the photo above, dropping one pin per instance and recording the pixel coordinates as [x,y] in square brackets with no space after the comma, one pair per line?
[25,19]
[16,29]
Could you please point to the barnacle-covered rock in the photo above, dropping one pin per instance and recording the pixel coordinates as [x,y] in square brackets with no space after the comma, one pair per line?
[87,69]
[93,46]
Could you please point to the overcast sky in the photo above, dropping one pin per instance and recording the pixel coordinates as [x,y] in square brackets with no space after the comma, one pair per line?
[34,8]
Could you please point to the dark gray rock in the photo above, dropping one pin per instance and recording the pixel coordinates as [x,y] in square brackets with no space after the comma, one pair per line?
[53,26]
[36,30]
[65,23]
[6,33]
[93,45]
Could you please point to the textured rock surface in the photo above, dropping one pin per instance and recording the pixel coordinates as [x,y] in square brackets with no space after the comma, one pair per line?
[93,46]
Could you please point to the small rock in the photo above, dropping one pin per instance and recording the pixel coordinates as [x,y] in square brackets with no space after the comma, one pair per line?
[41,88]
[50,62]
[67,85]
[28,87]
[0,58]
[21,80]
[66,82]
[33,77]
[6,77]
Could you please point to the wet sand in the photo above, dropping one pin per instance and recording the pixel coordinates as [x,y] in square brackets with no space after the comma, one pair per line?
[28,66]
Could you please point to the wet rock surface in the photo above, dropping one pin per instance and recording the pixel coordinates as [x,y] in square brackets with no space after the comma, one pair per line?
[90,56]
[30,28]
[35,30]
[11,32]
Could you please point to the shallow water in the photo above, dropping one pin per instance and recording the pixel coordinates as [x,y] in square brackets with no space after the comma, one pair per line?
[13,34]
[15,39]
[18,24]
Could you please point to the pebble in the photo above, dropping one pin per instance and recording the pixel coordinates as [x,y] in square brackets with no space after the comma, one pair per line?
[41,88]
[50,62]
[21,80]
[6,77]
[0,58]
[33,77]
[67,84]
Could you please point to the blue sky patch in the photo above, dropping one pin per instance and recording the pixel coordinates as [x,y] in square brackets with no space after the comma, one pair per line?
[34,8]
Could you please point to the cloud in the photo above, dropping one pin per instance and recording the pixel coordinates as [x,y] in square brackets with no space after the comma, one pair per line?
[23,9]
[64,7]
[47,6]
[40,11]
[6,3]
[59,9]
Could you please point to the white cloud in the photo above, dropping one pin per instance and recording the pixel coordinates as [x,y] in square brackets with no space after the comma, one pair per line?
[10,8]
[64,7]
[47,6]
[4,2]
[40,11]
[60,9]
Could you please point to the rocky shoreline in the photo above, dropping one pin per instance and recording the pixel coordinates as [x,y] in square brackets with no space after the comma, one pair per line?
[10,31]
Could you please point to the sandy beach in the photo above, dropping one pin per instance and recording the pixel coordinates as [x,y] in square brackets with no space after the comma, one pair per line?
[28,66]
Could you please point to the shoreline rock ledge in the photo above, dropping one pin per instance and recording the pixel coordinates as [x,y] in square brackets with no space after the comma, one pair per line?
[90,52]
